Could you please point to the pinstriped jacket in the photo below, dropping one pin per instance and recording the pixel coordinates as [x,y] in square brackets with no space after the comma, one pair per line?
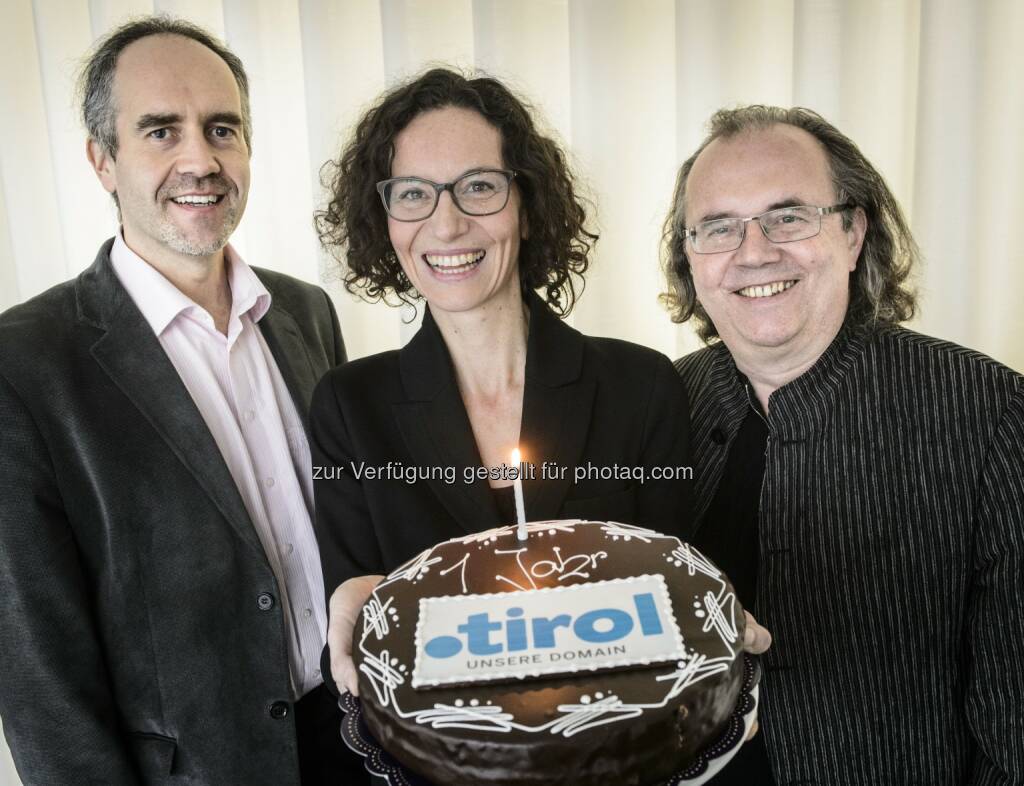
[890,533]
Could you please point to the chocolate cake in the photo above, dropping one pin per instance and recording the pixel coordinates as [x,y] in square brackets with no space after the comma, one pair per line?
[591,653]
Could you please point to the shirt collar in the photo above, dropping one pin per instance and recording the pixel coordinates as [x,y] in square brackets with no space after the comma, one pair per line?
[161,302]
[801,400]
[248,295]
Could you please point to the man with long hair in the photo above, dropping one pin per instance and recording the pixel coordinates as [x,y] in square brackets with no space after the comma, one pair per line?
[859,482]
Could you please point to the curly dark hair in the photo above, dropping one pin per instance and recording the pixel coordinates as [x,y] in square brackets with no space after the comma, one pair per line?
[879,291]
[353,226]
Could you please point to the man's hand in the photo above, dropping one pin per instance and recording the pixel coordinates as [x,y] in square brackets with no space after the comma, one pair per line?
[346,603]
[756,639]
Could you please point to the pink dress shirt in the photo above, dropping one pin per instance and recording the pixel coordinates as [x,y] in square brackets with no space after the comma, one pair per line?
[235,383]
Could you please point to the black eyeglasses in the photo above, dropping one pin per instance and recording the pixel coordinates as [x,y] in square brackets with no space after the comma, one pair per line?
[784,225]
[481,192]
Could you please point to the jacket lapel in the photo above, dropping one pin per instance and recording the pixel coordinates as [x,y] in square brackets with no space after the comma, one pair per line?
[557,408]
[132,356]
[291,355]
[436,428]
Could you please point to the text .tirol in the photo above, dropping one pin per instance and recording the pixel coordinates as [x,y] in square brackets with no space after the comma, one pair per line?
[498,637]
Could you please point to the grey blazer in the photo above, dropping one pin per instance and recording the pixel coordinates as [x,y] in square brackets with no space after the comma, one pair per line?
[891,530]
[138,640]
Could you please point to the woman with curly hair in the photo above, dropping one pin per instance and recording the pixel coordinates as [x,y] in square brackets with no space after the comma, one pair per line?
[448,193]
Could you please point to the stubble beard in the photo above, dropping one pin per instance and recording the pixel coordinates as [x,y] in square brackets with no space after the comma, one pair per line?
[175,238]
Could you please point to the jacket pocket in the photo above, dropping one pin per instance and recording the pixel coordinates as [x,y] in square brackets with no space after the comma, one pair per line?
[154,753]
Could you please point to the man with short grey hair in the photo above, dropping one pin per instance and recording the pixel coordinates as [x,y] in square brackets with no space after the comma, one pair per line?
[860,483]
[163,608]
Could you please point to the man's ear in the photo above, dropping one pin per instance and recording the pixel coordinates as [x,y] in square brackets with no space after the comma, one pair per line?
[855,235]
[103,164]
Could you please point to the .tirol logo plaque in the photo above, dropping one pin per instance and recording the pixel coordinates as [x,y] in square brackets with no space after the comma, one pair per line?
[560,630]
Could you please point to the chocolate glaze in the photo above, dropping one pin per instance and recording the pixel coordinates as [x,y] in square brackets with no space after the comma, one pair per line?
[642,745]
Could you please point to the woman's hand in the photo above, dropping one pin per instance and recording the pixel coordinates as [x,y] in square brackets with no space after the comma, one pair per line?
[756,639]
[346,603]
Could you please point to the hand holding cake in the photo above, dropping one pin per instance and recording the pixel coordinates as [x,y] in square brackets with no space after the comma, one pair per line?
[756,638]
[345,604]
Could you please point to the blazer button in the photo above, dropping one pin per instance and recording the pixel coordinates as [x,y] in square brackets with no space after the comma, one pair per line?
[279,710]
[265,601]
[718,436]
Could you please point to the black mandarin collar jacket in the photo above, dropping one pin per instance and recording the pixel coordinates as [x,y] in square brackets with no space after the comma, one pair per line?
[889,541]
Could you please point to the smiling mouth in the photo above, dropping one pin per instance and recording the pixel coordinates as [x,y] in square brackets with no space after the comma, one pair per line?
[450,264]
[197,200]
[766,290]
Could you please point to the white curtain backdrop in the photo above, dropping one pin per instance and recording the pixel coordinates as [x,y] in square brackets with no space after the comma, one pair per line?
[930,90]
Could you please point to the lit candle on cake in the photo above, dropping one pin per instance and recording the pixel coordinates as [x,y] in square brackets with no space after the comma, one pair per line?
[518,487]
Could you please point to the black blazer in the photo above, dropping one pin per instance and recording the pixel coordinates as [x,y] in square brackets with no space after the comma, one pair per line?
[587,400]
[135,643]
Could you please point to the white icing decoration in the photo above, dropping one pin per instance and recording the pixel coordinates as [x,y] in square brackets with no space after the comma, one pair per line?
[695,561]
[615,529]
[414,568]
[581,561]
[697,669]
[461,563]
[519,561]
[443,716]
[724,625]
[375,617]
[382,675]
[541,569]
[580,717]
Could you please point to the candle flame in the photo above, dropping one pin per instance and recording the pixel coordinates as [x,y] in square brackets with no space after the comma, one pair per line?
[516,457]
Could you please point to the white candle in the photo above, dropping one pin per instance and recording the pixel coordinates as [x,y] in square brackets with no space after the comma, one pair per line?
[518,487]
